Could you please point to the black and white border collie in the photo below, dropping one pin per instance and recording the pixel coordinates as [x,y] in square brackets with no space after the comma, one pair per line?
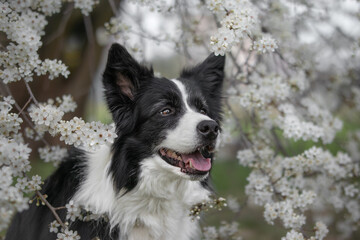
[158,166]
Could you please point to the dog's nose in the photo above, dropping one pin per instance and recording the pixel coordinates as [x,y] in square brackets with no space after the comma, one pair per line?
[208,129]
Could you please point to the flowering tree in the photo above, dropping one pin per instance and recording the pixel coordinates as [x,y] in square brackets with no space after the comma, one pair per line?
[292,75]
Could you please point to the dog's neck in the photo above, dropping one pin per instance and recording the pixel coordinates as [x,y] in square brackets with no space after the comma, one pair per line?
[157,208]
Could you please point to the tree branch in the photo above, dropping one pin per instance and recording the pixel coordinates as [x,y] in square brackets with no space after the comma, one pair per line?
[52,209]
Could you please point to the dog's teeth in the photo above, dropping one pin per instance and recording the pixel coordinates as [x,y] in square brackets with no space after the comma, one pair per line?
[162,151]
[210,149]
[190,163]
[169,153]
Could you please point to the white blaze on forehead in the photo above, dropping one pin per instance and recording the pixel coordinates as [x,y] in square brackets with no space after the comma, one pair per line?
[184,137]
[183,92]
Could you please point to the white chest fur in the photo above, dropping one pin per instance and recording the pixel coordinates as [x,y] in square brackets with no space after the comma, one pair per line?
[157,208]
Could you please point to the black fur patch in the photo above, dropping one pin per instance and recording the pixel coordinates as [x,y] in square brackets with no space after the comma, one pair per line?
[206,78]
[33,224]
[139,125]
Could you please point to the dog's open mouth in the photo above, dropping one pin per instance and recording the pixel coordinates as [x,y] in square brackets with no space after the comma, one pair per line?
[197,162]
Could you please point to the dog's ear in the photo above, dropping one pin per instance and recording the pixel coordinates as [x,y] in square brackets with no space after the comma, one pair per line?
[209,75]
[122,78]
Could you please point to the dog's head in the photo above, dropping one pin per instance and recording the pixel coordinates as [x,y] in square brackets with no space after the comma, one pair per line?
[173,122]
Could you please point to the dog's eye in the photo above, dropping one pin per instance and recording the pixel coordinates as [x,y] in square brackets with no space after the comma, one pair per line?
[203,111]
[166,112]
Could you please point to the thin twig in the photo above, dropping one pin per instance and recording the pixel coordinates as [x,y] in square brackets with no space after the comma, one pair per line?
[278,143]
[245,140]
[89,29]
[27,103]
[24,116]
[52,209]
[59,208]
[31,93]
[232,57]
[113,7]
[184,26]
[63,23]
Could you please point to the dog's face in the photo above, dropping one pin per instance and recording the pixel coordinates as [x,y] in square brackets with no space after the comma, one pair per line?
[173,122]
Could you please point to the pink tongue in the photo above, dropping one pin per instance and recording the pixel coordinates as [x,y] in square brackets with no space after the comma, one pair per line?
[198,161]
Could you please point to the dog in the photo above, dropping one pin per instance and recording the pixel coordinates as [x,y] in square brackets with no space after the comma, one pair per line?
[157,167]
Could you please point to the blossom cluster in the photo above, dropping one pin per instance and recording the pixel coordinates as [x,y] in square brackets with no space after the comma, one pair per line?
[263,91]
[289,186]
[154,5]
[24,28]
[74,212]
[23,23]
[272,96]
[11,198]
[68,235]
[239,19]
[77,132]
[116,27]
[216,203]
[9,122]
[53,154]
[321,125]
[320,233]
[225,231]
[296,94]
[265,44]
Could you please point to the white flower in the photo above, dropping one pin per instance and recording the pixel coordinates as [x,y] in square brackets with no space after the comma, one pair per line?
[246,157]
[296,129]
[270,213]
[9,122]
[22,183]
[15,155]
[320,230]
[54,226]
[238,22]
[215,5]
[47,115]
[351,190]
[222,41]
[226,230]
[233,204]
[265,44]
[5,177]
[73,211]
[55,68]
[210,233]
[154,5]
[90,135]
[54,154]
[86,6]
[5,216]
[34,183]
[293,235]
[68,235]
[116,26]
[67,103]
[49,7]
